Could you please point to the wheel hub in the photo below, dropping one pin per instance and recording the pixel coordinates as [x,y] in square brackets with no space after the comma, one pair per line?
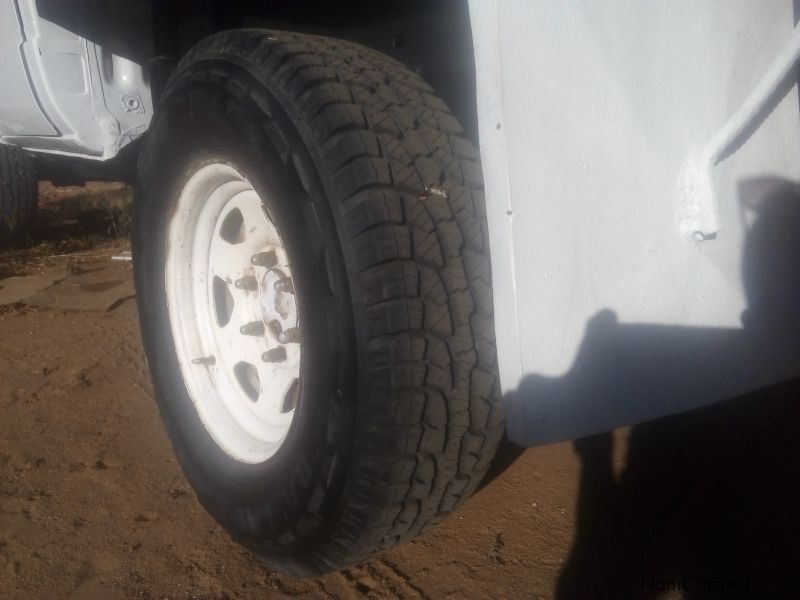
[277,302]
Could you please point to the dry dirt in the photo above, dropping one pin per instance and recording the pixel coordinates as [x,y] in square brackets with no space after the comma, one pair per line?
[93,505]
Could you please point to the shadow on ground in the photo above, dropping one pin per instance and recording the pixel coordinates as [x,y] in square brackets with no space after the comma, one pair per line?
[707,505]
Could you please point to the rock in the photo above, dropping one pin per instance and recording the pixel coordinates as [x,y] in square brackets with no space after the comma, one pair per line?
[145,517]
[109,461]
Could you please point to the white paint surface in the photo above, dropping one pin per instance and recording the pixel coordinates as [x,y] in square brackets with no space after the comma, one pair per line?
[601,106]
[88,107]
[20,114]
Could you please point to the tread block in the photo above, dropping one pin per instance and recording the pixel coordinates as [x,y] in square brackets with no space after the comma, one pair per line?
[372,208]
[348,146]
[394,316]
[363,173]
[400,279]
[380,244]
[335,118]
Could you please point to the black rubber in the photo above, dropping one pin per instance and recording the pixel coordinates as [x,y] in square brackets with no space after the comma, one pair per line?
[19,195]
[380,201]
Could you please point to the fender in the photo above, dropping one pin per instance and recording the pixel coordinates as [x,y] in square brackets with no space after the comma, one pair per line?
[641,164]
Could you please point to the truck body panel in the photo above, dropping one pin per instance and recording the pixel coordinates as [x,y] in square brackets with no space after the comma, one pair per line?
[594,119]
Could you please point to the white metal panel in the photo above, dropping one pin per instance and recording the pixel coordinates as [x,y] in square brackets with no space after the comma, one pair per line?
[97,101]
[20,113]
[591,115]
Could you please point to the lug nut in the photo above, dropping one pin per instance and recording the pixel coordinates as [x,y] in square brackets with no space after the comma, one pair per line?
[264,259]
[274,355]
[252,328]
[289,336]
[275,328]
[248,283]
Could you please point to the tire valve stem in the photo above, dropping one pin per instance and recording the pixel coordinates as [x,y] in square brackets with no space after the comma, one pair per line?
[264,259]
[252,328]
[289,336]
[204,360]
[249,283]
[274,355]
[284,285]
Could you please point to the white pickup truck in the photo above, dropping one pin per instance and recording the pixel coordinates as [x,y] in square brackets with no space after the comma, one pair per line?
[375,241]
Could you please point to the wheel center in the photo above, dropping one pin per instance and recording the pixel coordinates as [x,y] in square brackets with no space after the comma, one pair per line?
[277,301]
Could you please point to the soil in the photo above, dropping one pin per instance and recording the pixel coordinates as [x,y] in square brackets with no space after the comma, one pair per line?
[93,504]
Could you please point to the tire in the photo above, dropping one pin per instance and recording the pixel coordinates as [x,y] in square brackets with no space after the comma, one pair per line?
[379,201]
[19,195]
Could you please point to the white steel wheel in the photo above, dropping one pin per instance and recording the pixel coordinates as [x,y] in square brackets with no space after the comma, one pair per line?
[233,314]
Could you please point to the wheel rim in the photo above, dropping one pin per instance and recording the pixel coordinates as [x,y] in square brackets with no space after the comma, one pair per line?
[233,313]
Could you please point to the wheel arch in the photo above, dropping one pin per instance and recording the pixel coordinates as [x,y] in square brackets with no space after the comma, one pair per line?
[432,37]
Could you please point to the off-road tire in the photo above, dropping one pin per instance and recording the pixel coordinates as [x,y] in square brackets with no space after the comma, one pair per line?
[19,195]
[382,200]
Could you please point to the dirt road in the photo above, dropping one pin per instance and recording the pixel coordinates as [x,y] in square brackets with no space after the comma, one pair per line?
[93,505]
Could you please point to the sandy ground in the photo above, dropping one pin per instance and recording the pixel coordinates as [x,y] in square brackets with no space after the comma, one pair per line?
[93,505]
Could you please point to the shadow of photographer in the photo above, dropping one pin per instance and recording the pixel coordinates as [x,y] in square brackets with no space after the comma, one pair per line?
[706,504]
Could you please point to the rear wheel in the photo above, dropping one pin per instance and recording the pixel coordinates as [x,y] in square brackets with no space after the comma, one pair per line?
[18,195]
[315,299]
